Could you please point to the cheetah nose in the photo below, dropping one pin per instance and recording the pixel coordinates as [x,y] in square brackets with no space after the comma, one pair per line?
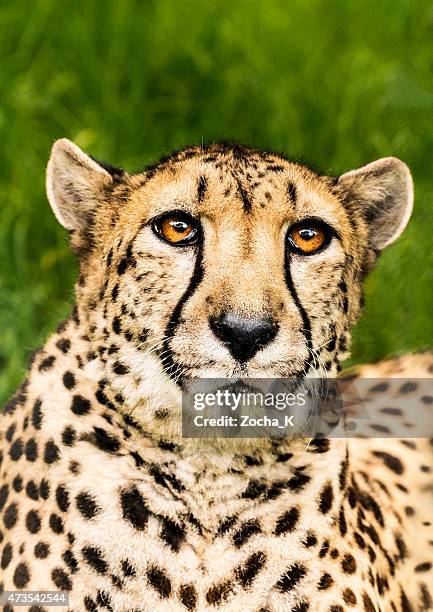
[243,336]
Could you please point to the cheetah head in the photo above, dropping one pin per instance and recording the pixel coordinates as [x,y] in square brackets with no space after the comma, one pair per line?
[221,261]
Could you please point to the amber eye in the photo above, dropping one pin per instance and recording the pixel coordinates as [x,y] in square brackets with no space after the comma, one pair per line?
[177,228]
[309,237]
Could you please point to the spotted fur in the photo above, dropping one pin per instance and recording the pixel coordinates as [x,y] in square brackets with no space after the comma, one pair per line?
[100,495]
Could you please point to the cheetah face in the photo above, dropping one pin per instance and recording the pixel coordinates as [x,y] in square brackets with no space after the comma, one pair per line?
[223,261]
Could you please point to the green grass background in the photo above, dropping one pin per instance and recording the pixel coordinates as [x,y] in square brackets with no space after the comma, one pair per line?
[338,82]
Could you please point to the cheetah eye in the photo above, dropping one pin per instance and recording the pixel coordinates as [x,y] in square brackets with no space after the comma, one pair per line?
[309,237]
[177,228]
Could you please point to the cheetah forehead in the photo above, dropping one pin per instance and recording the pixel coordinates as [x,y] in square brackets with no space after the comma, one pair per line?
[230,178]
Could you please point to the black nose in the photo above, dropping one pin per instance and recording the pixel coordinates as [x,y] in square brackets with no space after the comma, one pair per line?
[243,336]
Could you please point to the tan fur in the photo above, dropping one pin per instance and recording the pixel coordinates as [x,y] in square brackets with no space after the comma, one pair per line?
[137,518]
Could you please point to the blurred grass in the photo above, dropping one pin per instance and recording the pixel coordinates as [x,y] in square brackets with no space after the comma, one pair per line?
[338,83]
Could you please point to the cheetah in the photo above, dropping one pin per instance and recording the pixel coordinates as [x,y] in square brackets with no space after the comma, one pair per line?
[220,261]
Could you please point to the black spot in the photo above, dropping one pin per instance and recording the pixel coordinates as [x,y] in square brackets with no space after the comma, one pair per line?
[94,558]
[133,508]
[18,399]
[10,516]
[126,262]
[138,459]
[62,498]
[10,432]
[348,564]
[283,457]
[90,605]
[188,596]
[33,521]
[128,569]
[21,575]
[80,405]
[115,292]
[287,521]
[226,524]
[291,578]
[325,582]
[319,445]
[246,573]
[291,190]
[404,602]
[56,523]
[68,436]
[31,450]
[105,441]
[61,579]
[218,593]
[342,522]
[391,462]
[379,388]
[69,380]
[17,483]
[165,479]
[246,202]
[331,343]
[254,489]
[370,504]
[70,560]
[44,489]
[392,411]
[87,505]
[342,477]
[42,550]
[302,606]
[349,597]
[16,450]
[6,556]
[298,481]
[47,363]
[51,453]
[4,492]
[310,540]
[63,344]
[324,550]
[408,387]
[326,499]
[423,567]
[116,326]
[426,598]
[120,368]
[172,533]
[37,414]
[245,531]
[201,188]
[159,581]
[117,582]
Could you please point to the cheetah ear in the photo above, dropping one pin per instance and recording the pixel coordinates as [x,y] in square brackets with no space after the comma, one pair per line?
[383,193]
[74,181]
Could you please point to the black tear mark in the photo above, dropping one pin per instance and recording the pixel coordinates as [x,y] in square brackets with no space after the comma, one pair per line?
[306,325]
[167,360]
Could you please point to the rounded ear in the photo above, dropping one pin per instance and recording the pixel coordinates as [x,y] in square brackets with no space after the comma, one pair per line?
[74,183]
[383,193]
